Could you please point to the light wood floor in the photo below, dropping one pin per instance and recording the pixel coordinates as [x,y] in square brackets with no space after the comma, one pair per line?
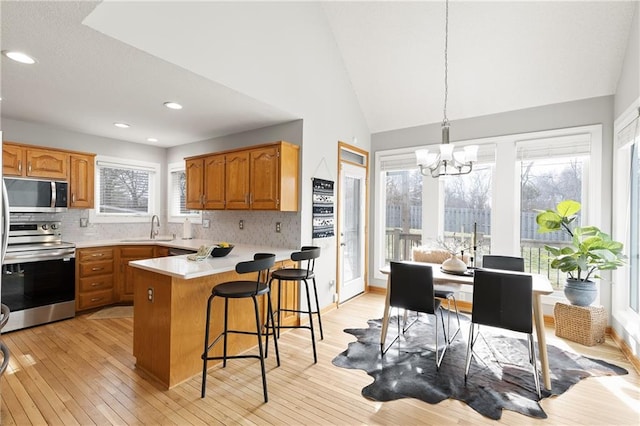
[81,371]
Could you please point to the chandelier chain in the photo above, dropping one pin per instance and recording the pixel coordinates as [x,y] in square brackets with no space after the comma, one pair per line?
[446,65]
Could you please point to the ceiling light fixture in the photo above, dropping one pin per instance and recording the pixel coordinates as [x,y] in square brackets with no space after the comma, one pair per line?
[447,162]
[122,125]
[23,58]
[152,140]
[172,105]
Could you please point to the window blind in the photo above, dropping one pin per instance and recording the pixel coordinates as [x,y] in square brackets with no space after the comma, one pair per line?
[562,146]
[123,190]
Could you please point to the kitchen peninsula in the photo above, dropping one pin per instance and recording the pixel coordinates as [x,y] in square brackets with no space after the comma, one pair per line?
[170,298]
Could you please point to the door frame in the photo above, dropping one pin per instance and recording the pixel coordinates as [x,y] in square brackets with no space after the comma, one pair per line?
[342,146]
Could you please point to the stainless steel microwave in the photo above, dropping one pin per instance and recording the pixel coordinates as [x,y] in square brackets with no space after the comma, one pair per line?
[36,195]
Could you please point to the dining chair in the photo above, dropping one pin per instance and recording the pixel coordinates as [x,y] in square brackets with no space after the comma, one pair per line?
[507,263]
[441,291]
[502,300]
[241,289]
[412,290]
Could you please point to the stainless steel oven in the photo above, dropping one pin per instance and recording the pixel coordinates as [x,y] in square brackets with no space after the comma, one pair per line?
[38,275]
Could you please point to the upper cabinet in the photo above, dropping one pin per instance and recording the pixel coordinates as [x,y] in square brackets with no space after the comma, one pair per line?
[81,173]
[20,160]
[205,182]
[49,163]
[262,177]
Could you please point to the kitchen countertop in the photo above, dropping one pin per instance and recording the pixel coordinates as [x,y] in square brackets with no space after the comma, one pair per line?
[181,267]
[192,244]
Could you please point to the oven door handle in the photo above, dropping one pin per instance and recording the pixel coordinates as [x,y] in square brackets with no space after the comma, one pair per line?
[28,257]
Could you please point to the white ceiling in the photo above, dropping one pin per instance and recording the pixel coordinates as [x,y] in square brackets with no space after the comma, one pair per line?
[122,60]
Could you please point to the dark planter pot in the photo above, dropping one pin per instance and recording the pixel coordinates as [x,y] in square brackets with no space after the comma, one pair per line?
[580,293]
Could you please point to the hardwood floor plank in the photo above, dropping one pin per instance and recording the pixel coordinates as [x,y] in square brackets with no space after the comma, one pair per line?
[82,371]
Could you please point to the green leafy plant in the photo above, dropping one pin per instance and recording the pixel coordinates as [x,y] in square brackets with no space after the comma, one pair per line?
[590,250]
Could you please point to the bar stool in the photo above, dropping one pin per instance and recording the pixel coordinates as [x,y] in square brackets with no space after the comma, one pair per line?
[261,264]
[308,254]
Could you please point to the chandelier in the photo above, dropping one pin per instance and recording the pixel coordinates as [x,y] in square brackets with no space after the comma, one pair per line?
[446,162]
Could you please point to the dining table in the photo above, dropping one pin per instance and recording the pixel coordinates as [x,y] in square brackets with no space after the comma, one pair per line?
[540,286]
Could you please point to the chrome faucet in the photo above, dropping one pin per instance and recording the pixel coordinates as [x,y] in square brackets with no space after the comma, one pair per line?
[154,232]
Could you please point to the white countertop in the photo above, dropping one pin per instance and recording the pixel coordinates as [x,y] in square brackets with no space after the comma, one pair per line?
[181,267]
[160,241]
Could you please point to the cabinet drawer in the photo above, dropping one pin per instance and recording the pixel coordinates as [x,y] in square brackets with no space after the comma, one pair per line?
[95,299]
[101,282]
[90,269]
[90,255]
[137,252]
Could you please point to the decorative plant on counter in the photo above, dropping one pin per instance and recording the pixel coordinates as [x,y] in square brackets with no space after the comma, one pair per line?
[590,250]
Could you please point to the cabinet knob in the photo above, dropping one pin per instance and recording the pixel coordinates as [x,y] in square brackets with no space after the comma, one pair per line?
[29,167]
[20,166]
[96,299]
[73,198]
[95,284]
[96,269]
[97,254]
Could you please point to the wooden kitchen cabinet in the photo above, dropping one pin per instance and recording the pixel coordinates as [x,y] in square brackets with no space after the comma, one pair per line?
[28,161]
[94,277]
[206,183]
[264,177]
[125,272]
[81,175]
[237,185]
[12,160]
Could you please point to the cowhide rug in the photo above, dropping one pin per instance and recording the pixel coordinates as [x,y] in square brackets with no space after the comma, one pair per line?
[501,379]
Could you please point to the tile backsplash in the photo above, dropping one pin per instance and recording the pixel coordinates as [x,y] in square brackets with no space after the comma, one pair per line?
[259,227]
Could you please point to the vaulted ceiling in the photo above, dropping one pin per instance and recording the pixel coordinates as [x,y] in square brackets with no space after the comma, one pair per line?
[234,70]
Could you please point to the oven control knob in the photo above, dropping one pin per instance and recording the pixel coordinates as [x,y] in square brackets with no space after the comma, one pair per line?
[45,226]
[54,226]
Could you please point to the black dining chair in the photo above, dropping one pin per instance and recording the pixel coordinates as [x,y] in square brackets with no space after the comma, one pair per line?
[506,263]
[241,289]
[502,300]
[307,257]
[412,290]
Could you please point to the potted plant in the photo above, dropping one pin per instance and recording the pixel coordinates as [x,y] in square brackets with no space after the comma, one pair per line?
[590,251]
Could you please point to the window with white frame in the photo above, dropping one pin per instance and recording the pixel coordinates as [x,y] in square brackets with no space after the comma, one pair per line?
[177,195]
[125,190]
[551,170]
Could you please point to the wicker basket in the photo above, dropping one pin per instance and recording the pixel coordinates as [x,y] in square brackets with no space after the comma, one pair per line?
[582,324]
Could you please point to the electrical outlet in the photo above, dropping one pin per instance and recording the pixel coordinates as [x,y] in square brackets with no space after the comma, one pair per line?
[84,222]
[150,294]
[278,227]
[241,224]
[206,223]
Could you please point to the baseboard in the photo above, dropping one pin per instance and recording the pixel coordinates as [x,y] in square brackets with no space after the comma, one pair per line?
[624,347]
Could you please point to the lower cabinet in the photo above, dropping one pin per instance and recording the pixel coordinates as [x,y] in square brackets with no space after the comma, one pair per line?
[125,272]
[94,277]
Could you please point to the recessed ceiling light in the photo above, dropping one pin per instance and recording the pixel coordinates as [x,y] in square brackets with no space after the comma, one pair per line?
[23,58]
[122,125]
[152,140]
[173,105]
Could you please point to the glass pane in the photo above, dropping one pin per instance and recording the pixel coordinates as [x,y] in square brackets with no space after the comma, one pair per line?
[123,191]
[467,209]
[403,216]
[634,249]
[543,184]
[352,250]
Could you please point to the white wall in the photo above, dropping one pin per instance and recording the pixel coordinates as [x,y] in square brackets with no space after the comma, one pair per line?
[628,89]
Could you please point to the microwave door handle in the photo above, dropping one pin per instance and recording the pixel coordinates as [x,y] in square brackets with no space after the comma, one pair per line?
[5,213]
[53,194]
